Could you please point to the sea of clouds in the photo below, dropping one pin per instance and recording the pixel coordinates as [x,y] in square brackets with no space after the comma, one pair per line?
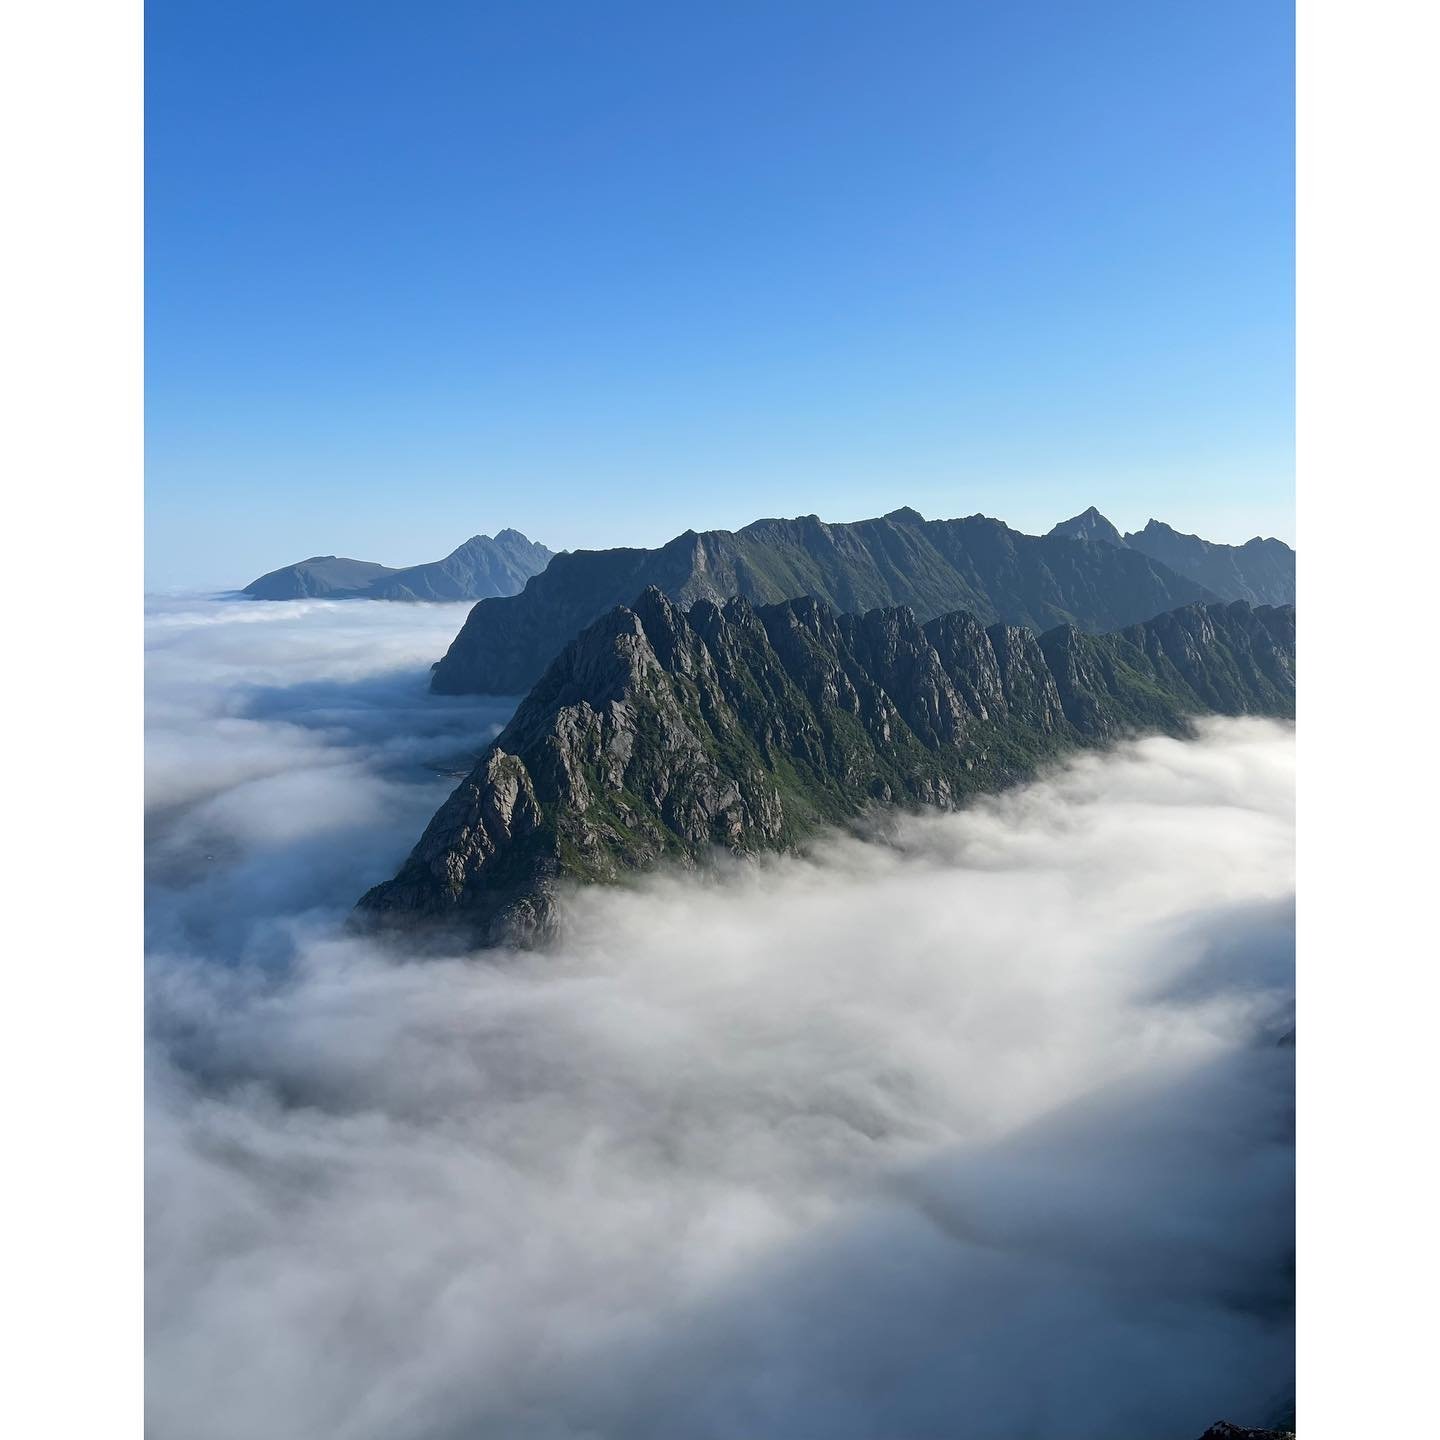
[980,1127]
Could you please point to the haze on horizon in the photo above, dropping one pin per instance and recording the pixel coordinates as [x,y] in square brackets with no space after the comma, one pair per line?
[604,276]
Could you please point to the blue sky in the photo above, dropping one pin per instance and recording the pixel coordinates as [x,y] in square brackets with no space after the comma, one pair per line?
[604,272]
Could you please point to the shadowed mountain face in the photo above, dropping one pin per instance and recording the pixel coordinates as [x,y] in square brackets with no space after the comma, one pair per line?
[932,566]
[660,733]
[482,567]
[1260,571]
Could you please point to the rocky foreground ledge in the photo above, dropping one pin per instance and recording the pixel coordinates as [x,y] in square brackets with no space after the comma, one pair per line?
[660,733]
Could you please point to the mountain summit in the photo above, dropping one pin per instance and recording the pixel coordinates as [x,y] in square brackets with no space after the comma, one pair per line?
[660,733]
[1089,525]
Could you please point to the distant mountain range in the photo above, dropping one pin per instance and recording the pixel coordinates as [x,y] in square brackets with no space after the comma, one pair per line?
[661,733]
[1260,571]
[483,567]
[933,566]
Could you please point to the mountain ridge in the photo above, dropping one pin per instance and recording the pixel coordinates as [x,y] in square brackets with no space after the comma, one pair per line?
[975,563]
[1261,571]
[661,732]
[483,567]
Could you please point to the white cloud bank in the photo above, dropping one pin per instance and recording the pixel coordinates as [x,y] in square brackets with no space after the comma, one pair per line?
[982,1131]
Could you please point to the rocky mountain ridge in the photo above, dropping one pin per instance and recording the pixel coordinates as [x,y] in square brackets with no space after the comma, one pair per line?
[933,566]
[483,567]
[659,733]
[1261,571]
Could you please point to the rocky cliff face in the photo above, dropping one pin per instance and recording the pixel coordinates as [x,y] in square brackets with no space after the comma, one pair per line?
[662,733]
[1260,571]
[481,568]
[932,566]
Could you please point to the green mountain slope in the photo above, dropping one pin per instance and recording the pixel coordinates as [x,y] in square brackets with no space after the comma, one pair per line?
[659,733]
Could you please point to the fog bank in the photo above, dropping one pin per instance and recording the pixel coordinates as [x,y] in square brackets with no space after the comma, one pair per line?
[980,1128]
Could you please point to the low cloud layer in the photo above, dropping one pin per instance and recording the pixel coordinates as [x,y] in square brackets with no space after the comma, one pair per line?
[978,1127]
[293,755]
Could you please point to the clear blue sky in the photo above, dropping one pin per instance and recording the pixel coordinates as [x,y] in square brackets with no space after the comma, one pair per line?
[606,271]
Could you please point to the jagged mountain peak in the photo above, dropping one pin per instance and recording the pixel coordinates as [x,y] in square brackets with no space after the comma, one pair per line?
[1159,527]
[1089,525]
